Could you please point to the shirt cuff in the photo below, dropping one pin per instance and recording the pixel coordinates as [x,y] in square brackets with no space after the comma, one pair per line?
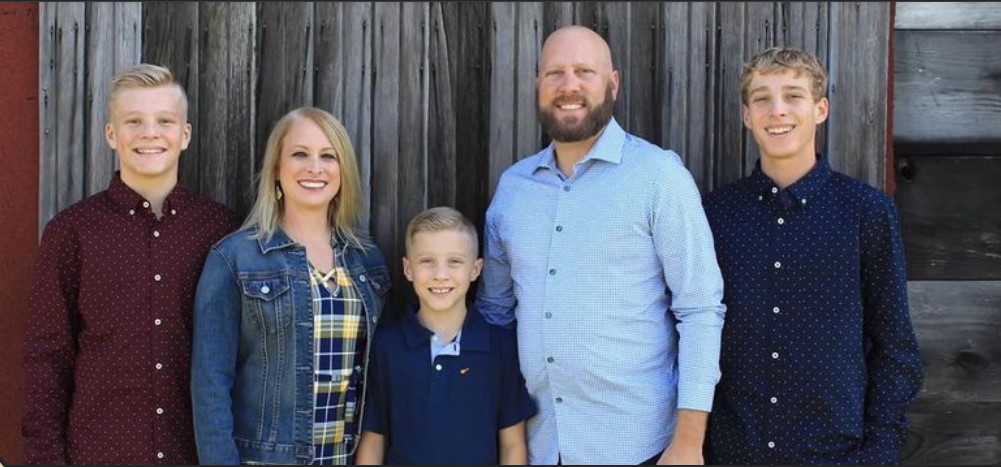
[696,397]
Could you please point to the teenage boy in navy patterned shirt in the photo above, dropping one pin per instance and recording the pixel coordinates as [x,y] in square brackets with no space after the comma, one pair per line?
[819,360]
[445,386]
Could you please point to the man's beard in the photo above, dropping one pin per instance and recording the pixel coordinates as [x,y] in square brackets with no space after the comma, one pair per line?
[593,122]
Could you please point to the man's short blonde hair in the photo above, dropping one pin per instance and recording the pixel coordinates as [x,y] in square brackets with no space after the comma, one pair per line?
[145,76]
[440,219]
[778,59]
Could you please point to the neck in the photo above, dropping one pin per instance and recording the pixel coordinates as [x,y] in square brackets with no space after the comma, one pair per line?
[569,154]
[154,190]
[785,172]
[305,226]
[446,324]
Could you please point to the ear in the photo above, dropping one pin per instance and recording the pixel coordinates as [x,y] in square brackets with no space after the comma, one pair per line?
[109,136]
[745,115]
[821,110]
[406,269]
[186,136]
[477,268]
[615,84]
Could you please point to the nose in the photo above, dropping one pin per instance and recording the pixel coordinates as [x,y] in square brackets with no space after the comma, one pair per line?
[779,108]
[148,130]
[441,271]
[314,164]
[569,82]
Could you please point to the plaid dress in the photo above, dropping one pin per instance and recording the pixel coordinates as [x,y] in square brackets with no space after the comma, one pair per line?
[339,334]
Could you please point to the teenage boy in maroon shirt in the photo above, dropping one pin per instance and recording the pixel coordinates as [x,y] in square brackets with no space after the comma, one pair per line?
[107,347]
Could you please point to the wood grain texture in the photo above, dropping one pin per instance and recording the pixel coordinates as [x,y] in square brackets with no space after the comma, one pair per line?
[948,15]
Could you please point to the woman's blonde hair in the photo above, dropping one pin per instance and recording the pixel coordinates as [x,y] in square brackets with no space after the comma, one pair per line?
[344,210]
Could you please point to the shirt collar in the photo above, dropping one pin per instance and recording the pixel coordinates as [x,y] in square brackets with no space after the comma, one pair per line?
[475,331]
[797,193]
[280,239]
[128,200]
[608,148]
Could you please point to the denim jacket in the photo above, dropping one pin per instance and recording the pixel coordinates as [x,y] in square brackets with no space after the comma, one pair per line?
[252,352]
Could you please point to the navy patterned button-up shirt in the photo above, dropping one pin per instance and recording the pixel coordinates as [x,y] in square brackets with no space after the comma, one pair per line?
[819,360]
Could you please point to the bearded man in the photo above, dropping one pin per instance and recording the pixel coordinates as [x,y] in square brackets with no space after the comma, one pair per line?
[598,251]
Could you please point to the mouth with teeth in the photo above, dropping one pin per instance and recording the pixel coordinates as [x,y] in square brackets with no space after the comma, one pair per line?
[312,184]
[570,103]
[149,151]
[779,130]
[440,290]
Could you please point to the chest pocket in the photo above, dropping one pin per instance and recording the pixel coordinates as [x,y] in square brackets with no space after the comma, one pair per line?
[269,303]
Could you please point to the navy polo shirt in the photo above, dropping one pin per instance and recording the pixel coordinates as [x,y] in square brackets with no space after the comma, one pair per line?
[448,411]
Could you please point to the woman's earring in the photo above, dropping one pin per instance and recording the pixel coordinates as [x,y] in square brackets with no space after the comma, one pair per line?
[278,191]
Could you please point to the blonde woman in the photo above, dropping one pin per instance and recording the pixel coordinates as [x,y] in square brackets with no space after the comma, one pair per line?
[285,309]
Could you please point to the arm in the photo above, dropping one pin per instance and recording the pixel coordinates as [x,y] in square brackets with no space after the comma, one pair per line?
[371,449]
[495,295]
[893,360]
[50,347]
[213,360]
[686,446]
[512,445]
[684,245]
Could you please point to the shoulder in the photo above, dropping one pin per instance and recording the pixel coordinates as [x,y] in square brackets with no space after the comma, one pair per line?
[726,193]
[388,337]
[211,211]
[237,243]
[88,212]
[857,194]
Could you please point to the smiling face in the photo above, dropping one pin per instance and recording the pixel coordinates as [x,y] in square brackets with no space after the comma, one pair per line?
[308,167]
[577,85]
[148,129]
[782,113]
[441,264]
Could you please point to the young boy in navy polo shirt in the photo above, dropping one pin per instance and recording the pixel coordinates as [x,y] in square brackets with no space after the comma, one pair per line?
[444,386]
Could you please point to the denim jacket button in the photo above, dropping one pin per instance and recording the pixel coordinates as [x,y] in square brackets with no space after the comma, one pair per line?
[361,278]
[265,289]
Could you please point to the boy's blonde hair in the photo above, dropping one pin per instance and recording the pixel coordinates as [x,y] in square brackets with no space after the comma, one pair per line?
[778,59]
[343,212]
[439,219]
[145,76]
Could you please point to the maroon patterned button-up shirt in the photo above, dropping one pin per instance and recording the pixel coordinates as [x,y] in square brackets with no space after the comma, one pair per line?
[108,344]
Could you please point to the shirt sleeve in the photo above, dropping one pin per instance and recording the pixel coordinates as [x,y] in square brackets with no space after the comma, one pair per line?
[516,405]
[215,344]
[685,248]
[893,359]
[49,346]
[495,294]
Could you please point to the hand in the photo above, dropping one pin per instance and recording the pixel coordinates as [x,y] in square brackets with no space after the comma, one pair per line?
[681,455]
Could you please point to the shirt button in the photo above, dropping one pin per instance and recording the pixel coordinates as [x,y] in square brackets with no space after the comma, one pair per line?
[438,367]
[775,310]
[775,355]
[778,265]
[159,410]
[559,228]
[157,278]
[145,204]
[550,359]
[159,366]
[774,400]
[771,444]
[775,190]
[552,272]
[173,212]
[804,200]
[157,321]
[549,315]
[361,278]
[132,212]
[760,197]
[159,455]
[265,289]
[156,233]
[782,221]
[566,187]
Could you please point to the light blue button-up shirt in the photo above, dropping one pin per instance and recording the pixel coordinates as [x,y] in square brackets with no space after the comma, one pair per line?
[612,278]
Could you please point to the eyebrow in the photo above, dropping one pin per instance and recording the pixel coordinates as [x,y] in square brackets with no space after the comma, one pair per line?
[784,88]
[299,146]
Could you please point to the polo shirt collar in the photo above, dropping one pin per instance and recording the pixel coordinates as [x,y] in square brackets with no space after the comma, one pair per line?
[608,148]
[475,331]
[130,201]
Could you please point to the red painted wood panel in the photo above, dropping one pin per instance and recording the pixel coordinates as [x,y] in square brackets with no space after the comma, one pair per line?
[18,205]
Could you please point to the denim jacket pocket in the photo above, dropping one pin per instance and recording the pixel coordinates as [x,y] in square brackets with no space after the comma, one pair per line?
[269,301]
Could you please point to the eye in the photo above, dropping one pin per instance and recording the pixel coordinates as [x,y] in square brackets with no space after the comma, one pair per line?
[132,121]
[329,156]
[457,261]
[165,121]
[299,154]
[425,261]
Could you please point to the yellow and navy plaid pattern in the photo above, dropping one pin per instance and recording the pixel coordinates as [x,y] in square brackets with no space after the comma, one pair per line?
[339,335]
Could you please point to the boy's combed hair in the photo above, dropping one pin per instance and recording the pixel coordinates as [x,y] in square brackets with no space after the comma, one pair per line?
[778,59]
[438,219]
[144,76]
